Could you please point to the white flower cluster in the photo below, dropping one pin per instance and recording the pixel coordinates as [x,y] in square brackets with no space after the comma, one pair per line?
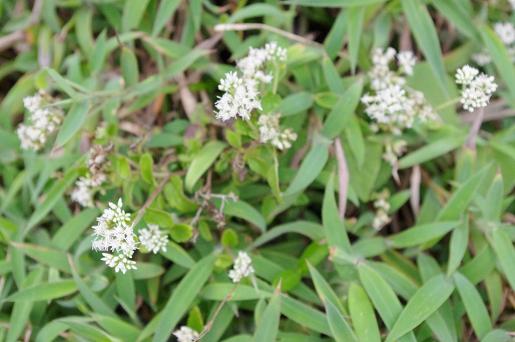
[382,206]
[391,104]
[477,87]
[114,233]
[241,95]
[242,267]
[269,131]
[43,122]
[83,191]
[506,32]
[153,239]
[85,186]
[393,150]
[186,334]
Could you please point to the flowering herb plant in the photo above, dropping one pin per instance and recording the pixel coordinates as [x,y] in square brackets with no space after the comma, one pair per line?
[308,170]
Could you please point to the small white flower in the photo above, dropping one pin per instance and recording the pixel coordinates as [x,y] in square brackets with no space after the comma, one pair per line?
[153,238]
[407,61]
[33,103]
[477,88]
[241,94]
[393,151]
[186,334]
[382,207]
[269,131]
[120,262]
[41,123]
[82,193]
[113,232]
[240,99]
[506,32]
[391,104]
[242,267]
[466,74]
[482,58]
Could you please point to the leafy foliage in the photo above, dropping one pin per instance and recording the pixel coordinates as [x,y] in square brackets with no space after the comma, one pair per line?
[357,230]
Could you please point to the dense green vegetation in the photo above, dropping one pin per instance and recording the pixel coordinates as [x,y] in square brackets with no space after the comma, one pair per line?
[304,170]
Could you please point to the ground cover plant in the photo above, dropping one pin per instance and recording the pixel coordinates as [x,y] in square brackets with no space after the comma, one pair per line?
[308,170]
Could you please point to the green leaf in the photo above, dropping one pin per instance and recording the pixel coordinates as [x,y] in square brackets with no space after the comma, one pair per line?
[342,111]
[500,57]
[45,291]
[257,10]
[267,328]
[64,238]
[129,65]
[334,227]
[476,310]
[431,151]
[146,270]
[22,309]
[218,291]
[53,195]
[458,246]
[117,328]
[462,197]
[362,315]
[457,16]
[422,233]
[492,209]
[382,296]
[304,315]
[426,37]
[245,211]
[146,165]
[310,168]
[96,303]
[334,3]
[133,11]
[497,335]
[312,230]
[202,161]
[334,40]
[295,103]
[164,13]
[503,247]
[324,290]
[423,304]
[355,28]
[158,217]
[72,122]
[182,297]
[181,232]
[177,254]
[46,256]
[339,326]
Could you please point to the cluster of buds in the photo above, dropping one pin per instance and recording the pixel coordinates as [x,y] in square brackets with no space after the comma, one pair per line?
[392,105]
[85,187]
[393,150]
[270,131]
[477,87]
[44,120]
[241,94]
[242,267]
[186,334]
[382,206]
[114,236]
